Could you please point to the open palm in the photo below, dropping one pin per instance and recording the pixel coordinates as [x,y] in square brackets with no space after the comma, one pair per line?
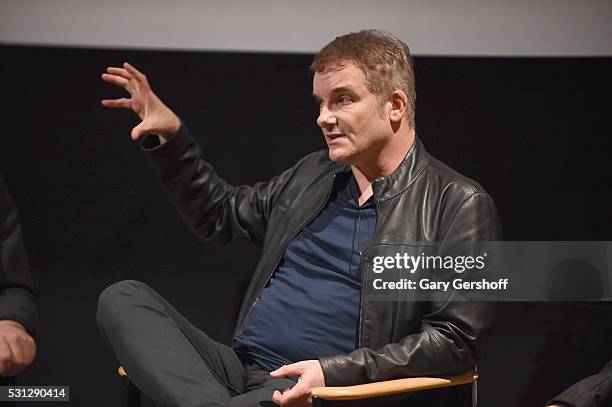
[156,117]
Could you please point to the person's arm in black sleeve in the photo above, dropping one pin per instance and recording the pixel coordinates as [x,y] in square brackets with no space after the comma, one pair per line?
[450,334]
[593,391]
[18,310]
[214,210]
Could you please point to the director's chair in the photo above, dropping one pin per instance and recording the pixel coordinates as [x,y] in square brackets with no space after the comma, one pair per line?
[131,394]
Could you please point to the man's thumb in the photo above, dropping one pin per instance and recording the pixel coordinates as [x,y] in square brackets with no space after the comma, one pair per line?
[138,131]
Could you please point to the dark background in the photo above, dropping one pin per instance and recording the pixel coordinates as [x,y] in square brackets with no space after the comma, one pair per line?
[534,132]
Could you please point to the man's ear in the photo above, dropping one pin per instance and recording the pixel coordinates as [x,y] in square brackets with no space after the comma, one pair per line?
[399,103]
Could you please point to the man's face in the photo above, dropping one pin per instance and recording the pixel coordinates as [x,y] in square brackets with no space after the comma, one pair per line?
[353,123]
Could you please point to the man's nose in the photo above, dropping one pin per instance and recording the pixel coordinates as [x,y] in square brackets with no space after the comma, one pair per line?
[326,118]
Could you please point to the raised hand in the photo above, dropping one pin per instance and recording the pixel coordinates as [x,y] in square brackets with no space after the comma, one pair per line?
[156,117]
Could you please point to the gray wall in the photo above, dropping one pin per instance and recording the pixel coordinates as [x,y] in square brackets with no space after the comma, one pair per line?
[444,27]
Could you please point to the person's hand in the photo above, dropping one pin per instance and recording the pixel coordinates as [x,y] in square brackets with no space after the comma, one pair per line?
[17,348]
[156,117]
[310,375]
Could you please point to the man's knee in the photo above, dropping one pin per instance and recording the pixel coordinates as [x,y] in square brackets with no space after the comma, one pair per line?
[115,298]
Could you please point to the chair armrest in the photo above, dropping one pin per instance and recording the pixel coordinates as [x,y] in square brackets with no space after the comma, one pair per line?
[379,389]
[387,388]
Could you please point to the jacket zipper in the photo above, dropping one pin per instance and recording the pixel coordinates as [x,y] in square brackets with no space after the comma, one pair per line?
[362,295]
[293,235]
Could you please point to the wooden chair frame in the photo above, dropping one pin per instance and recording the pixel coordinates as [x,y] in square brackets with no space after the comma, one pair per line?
[131,395]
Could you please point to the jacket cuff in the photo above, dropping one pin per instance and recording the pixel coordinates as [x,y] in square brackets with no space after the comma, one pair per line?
[150,143]
[18,304]
[161,155]
[337,373]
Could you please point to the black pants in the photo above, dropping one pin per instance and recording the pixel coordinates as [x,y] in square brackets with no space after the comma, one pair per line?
[172,361]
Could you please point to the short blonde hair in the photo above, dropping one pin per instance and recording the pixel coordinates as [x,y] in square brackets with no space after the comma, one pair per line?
[385,61]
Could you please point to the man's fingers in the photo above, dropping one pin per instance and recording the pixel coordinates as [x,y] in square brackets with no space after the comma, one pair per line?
[115,80]
[135,72]
[277,397]
[17,360]
[280,372]
[293,369]
[5,367]
[24,350]
[291,395]
[6,357]
[117,103]
[295,392]
[119,72]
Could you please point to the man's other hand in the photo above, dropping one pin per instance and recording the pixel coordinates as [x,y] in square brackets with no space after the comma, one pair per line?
[310,375]
[17,348]
[156,117]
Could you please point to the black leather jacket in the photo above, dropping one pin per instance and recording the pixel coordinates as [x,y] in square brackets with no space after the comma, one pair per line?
[422,201]
[17,290]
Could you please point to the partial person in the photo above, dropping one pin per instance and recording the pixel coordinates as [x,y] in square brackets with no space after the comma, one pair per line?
[592,391]
[18,310]
[307,314]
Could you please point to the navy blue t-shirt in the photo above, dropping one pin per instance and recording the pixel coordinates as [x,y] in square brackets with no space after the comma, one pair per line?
[310,307]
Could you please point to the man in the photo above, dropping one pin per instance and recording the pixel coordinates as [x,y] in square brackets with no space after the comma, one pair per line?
[18,311]
[306,314]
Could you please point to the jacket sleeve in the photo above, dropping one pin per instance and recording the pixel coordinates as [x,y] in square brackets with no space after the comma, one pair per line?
[451,331]
[594,391]
[214,210]
[17,292]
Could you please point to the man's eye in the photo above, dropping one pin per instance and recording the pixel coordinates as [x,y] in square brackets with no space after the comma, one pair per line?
[344,99]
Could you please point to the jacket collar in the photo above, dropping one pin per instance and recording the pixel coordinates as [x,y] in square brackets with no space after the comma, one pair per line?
[405,174]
